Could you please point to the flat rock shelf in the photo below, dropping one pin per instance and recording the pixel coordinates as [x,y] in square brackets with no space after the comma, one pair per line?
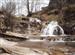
[34,45]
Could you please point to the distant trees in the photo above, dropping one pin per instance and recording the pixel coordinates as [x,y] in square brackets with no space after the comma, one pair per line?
[31,6]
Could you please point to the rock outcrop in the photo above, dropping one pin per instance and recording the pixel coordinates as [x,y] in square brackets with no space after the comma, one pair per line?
[61,10]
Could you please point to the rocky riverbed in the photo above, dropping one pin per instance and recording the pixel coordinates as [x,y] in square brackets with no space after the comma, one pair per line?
[31,47]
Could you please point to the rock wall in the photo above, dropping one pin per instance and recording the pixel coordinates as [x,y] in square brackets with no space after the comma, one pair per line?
[67,7]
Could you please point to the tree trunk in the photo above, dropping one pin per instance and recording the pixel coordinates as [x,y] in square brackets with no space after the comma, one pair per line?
[29,13]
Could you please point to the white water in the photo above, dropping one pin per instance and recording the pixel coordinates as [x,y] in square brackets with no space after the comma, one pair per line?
[53,29]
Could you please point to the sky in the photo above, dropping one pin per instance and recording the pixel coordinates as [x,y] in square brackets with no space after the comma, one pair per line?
[22,5]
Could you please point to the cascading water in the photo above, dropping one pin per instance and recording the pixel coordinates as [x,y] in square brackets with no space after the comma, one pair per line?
[53,29]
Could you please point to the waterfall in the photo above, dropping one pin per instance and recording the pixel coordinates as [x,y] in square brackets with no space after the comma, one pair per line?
[53,29]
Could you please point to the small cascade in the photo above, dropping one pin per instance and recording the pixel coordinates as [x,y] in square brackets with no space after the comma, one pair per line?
[53,29]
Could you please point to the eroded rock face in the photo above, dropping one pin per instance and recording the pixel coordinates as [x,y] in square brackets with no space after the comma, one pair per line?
[68,15]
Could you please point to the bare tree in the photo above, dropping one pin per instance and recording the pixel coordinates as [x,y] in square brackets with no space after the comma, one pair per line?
[9,9]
